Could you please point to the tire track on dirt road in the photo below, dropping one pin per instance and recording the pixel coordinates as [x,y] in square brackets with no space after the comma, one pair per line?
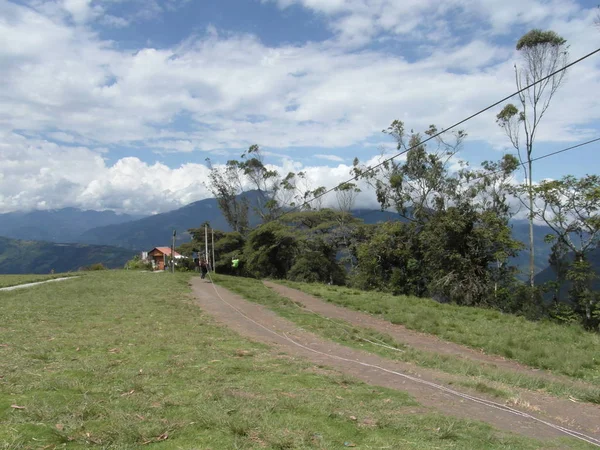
[258,323]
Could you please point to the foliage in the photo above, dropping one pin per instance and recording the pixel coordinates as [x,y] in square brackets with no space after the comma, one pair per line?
[226,184]
[458,243]
[93,267]
[419,186]
[535,38]
[270,250]
[272,192]
[138,264]
[571,208]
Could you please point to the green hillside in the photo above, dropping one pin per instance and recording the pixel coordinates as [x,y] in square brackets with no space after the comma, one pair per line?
[18,256]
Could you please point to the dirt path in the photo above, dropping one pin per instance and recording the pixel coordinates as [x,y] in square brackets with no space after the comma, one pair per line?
[27,285]
[260,324]
[415,339]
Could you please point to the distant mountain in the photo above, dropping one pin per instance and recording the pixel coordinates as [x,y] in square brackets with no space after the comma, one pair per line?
[61,225]
[18,256]
[157,230]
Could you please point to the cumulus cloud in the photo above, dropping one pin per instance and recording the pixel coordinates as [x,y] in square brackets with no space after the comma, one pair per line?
[38,174]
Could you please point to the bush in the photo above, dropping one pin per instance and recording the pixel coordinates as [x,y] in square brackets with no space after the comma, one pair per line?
[314,267]
[92,267]
[137,264]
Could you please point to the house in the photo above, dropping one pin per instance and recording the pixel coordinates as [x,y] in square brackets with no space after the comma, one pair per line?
[160,257]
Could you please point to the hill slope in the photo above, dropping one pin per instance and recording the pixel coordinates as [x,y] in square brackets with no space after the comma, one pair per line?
[61,225]
[17,256]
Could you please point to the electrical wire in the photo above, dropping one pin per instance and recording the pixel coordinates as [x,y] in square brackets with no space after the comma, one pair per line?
[488,403]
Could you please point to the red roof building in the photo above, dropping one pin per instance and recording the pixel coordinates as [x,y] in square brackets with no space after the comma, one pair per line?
[160,257]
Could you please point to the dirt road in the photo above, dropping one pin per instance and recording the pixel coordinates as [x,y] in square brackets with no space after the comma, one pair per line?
[260,324]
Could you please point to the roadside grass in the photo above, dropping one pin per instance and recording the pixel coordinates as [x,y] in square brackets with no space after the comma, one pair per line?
[564,349]
[481,377]
[121,359]
[15,280]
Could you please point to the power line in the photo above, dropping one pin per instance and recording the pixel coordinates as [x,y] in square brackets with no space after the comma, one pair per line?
[573,147]
[370,169]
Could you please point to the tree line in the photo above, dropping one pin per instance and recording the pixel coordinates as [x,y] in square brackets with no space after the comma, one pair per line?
[453,242]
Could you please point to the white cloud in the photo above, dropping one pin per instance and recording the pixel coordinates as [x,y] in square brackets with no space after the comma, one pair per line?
[334,158]
[38,174]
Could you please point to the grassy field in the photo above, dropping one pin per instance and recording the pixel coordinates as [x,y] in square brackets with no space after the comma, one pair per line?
[568,350]
[14,280]
[481,377]
[121,359]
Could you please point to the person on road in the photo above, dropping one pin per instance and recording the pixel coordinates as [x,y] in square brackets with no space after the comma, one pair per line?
[203,268]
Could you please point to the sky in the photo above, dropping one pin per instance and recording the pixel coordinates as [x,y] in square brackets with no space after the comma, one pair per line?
[116,104]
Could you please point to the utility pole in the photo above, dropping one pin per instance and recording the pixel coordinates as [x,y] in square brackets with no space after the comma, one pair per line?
[206,245]
[212,230]
[173,253]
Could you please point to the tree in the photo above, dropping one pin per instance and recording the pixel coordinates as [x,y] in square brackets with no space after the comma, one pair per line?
[571,208]
[418,187]
[542,53]
[226,184]
[270,250]
[271,194]
[458,242]
[321,240]
[346,194]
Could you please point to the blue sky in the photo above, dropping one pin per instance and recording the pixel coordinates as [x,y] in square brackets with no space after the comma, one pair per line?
[117,103]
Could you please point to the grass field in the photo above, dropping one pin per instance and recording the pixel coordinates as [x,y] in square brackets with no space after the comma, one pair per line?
[481,377]
[14,280]
[564,349]
[120,359]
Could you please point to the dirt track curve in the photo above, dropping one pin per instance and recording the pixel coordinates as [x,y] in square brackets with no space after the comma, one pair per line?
[220,303]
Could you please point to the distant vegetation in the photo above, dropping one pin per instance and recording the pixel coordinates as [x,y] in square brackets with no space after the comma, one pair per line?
[24,257]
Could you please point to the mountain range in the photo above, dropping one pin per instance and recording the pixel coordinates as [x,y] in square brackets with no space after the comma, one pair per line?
[134,234]
[58,225]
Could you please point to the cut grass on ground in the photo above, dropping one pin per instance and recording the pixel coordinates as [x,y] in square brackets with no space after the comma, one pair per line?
[479,374]
[120,359]
[565,349]
[15,280]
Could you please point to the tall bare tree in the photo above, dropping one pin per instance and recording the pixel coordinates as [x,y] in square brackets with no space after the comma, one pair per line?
[542,54]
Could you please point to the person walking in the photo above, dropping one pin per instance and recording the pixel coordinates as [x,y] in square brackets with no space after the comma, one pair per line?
[203,268]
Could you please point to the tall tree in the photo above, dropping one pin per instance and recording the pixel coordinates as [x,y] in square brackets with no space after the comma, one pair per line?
[542,54]
[571,207]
